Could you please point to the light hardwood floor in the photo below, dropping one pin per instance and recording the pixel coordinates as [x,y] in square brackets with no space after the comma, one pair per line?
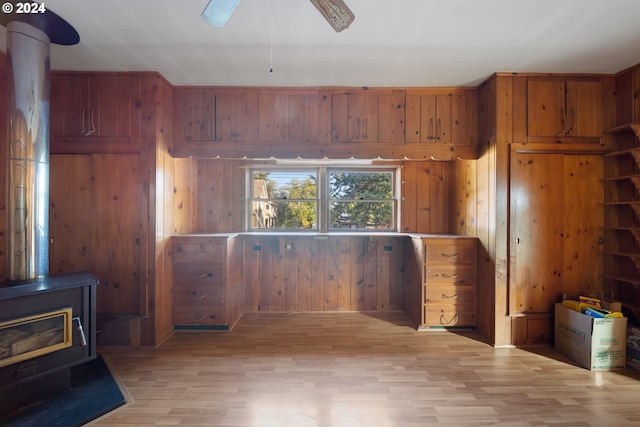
[357,369]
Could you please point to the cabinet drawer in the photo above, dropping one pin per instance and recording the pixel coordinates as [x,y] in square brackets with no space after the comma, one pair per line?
[450,254]
[199,315]
[198,252]
[199,274]
[199,295]
[450,274]
[449,315]
[450,294]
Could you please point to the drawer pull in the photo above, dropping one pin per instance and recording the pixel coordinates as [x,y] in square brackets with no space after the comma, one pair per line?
[200,254]
[449,296]
[444,321]
[201,318]
[202,276]
[449,256]
[194,296]
[449,276]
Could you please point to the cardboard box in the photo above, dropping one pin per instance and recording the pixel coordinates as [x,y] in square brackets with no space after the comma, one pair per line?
[596,344]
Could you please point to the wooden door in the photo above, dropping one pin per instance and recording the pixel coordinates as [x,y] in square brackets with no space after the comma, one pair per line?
[99,212]
[556,227]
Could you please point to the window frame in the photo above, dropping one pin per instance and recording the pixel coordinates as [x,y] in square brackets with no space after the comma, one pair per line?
[323,198]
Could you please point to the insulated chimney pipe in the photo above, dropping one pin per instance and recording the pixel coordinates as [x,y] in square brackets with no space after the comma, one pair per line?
[27,174]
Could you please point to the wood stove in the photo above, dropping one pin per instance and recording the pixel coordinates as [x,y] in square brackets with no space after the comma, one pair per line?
[47,323]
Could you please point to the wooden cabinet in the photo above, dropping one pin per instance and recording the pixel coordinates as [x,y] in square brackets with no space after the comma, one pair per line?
[444,118]
[368,116]
[300,116]
[206,115]
[622,217]
[449,282]
[440,282]
[558,108]
[200,291]
[93,106]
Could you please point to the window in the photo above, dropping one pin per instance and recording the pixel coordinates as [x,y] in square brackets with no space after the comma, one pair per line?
[322,199]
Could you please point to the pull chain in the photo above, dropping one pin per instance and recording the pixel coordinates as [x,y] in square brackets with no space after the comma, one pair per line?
[271,42]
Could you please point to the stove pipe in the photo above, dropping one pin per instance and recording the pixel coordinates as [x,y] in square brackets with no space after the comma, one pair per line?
[27,174]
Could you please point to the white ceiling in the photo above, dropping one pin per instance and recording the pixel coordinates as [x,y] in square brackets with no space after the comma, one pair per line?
[390,42]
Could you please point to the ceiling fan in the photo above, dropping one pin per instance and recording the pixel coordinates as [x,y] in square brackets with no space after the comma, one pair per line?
[336,12]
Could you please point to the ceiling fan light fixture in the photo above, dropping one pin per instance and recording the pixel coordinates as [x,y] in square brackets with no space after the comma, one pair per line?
[336,12]
[218,12]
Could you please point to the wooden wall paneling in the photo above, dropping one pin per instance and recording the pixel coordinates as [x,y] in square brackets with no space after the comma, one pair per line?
[331,267]
[519,87]
[344,284]
[220,196]
[291,274]
[304,275]
[235,280]
[463,201]
[358,280]
[70,235]
[409,188]
[277,277]
[251,262]
[624,99]
[370,269]
[317,274]
[424,197]
[412,280]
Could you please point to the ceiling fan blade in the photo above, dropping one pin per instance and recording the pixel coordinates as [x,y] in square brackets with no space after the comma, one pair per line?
[218,12]
[335,12]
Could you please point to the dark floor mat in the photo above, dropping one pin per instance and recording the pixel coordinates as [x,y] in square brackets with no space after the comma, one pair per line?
[93,393]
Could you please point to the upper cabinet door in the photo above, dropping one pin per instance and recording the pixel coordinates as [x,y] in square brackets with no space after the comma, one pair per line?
[439,119]
[198,115]
[564,108]
[207,115]
[364,117]
[299,116]
[93,106]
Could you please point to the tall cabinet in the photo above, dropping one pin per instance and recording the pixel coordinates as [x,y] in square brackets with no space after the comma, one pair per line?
[540,198]
[117,196]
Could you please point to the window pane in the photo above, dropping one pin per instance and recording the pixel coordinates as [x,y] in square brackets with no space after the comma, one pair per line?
[361,185]
[361,215]
[284,200]
[300,185]
[284,215]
